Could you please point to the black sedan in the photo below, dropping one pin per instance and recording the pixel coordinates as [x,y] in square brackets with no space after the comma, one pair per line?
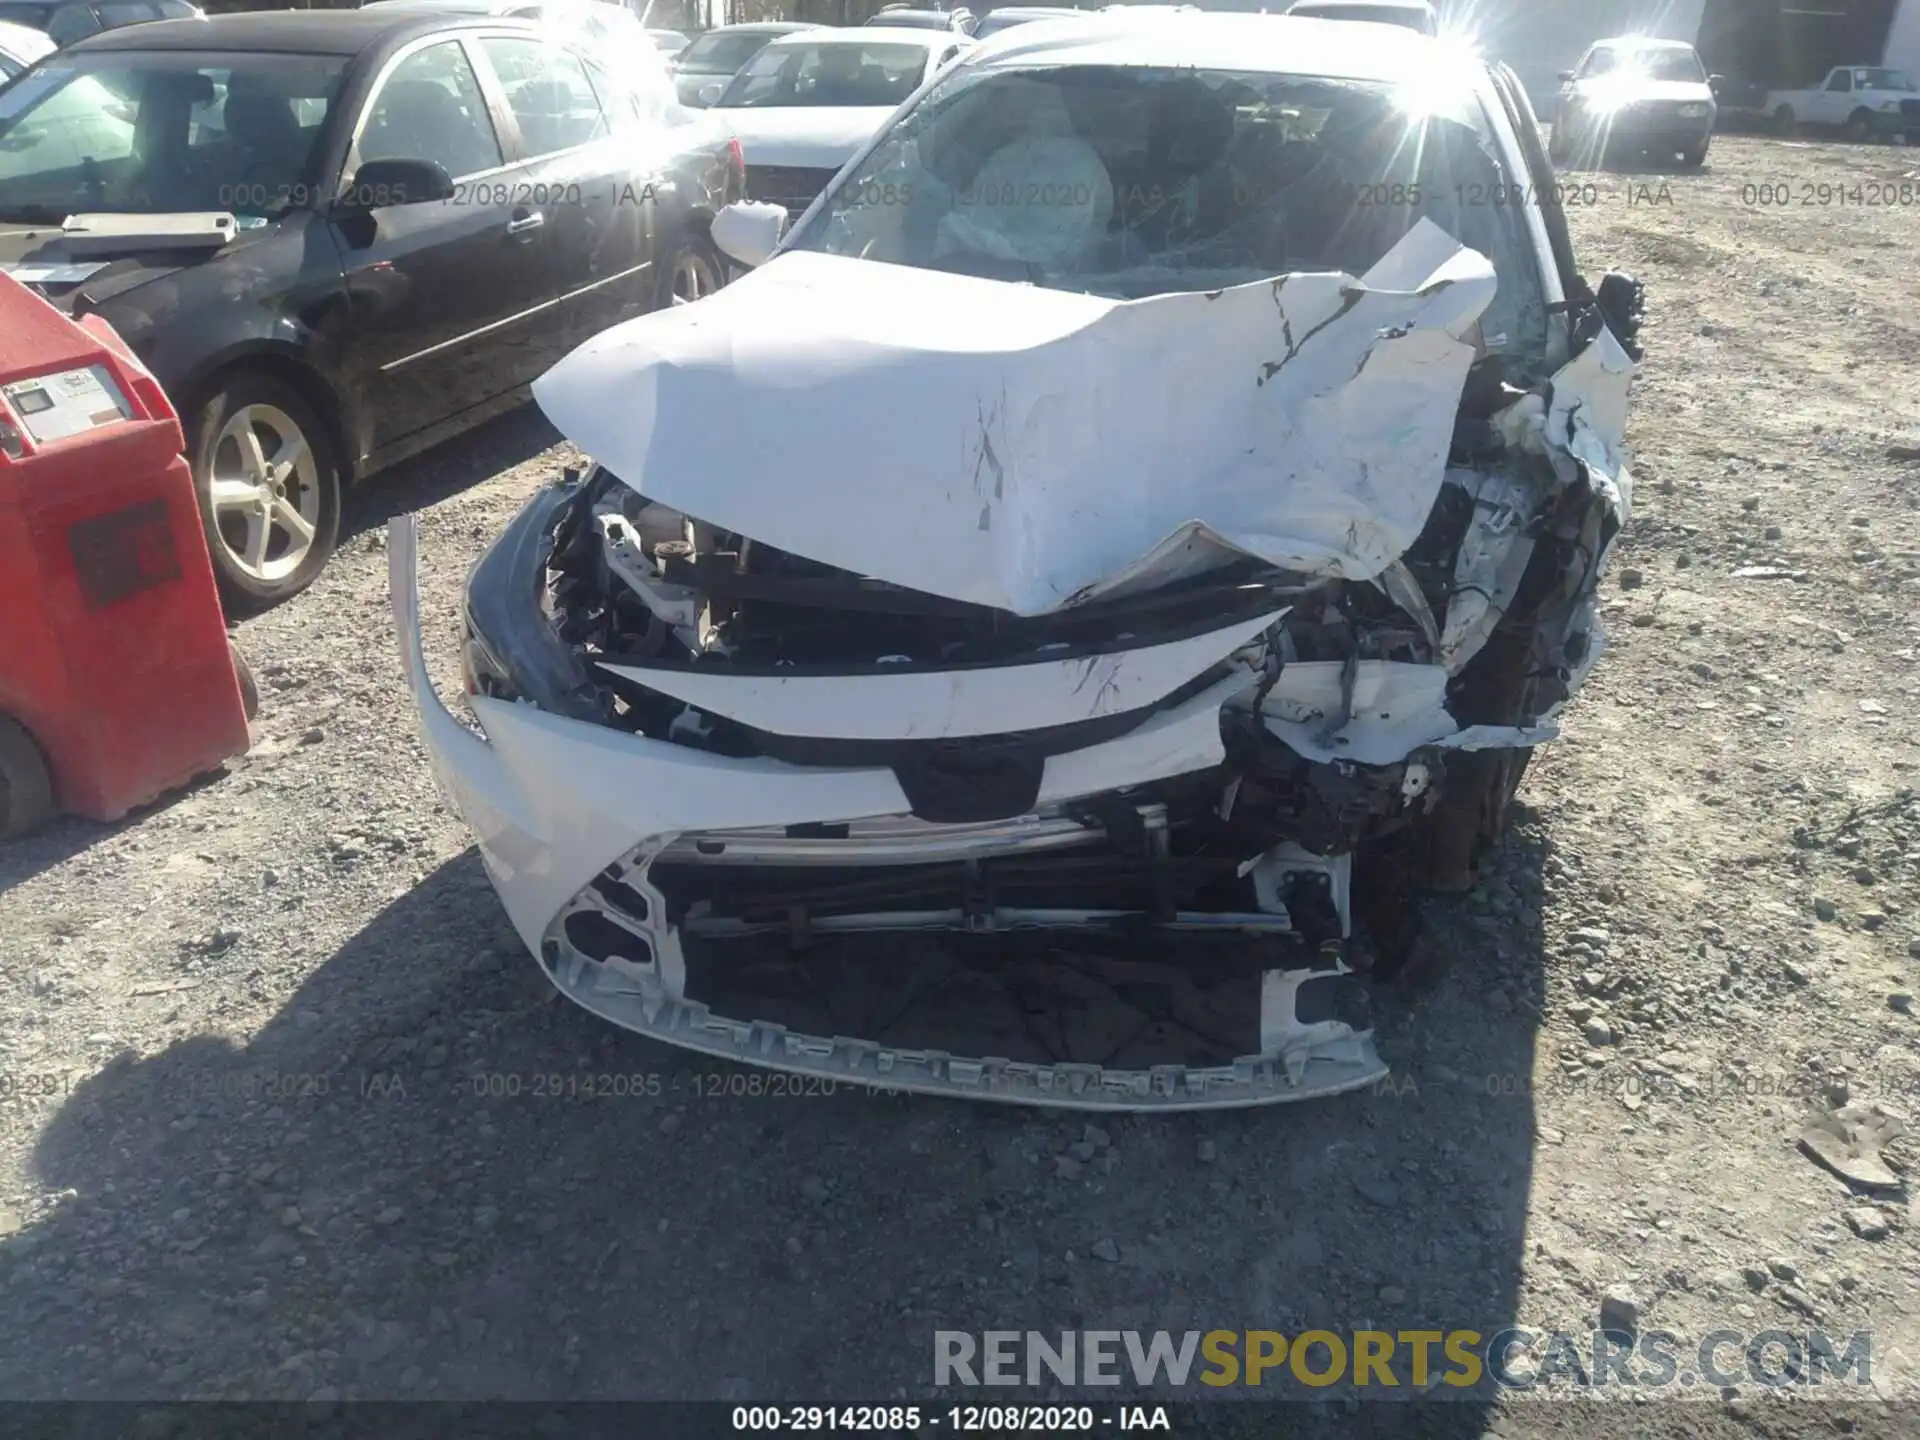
[339,237]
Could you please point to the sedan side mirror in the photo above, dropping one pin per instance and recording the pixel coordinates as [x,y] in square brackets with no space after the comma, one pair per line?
[1566,77]
[749,231]
[712,91]
[1622,302]
[380,183]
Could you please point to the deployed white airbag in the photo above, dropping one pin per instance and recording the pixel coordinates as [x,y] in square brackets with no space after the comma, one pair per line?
[1013,446]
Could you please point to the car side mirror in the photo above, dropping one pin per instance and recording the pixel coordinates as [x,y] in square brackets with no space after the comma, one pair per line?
[1622,302]
[1717,84]
[749,231]
[1566,77]
[380,183]
[711,92]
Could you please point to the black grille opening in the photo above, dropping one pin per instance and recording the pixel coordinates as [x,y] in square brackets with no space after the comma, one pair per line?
[794,186]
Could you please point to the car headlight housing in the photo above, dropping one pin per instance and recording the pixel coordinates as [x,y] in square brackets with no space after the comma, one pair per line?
[1692,112]
[481,669]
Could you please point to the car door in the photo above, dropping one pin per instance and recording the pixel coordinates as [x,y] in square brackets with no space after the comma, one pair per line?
[441,295]
[1832,105]
[587,182]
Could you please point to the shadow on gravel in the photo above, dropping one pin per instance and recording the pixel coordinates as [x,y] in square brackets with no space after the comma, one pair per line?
[509,439]
[427,1178]
[22,859]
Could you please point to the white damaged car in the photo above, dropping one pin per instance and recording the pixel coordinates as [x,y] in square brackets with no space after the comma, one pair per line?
[1037,633]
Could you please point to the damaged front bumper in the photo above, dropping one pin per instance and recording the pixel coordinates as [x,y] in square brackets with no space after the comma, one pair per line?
[579,826]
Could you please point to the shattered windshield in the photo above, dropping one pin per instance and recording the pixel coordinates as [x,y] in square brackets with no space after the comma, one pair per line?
[156,133]
[1675,65]
[721,52]
[1135,181]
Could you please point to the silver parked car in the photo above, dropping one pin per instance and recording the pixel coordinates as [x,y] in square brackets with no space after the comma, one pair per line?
[716,56]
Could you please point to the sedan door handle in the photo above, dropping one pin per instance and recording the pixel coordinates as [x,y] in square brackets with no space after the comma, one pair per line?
[525,220]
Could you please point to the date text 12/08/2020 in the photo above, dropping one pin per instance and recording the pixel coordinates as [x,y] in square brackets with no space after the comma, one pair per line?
[957,1419]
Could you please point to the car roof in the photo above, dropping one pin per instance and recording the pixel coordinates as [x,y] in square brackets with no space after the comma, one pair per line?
[868,35]
[1217,40]
[500,7]
[763,27]
[1639,42]
[1425,5]
[296,32]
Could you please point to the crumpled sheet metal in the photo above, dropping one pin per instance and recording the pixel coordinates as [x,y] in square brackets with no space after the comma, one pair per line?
[909,703]
[552,801]
[1397,708]
[1014,446]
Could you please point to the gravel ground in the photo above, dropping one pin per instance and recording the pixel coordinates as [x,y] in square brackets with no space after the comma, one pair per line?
[275,1123]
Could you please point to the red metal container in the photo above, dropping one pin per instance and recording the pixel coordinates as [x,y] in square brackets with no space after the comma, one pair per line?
[117,681]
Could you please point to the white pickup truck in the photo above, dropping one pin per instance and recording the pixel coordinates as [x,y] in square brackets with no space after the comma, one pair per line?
[1866,102]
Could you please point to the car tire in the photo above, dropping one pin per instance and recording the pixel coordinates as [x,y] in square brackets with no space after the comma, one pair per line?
[1859,128]
[26,781]
[1558,145]
[693,272]
[1694,156]
[1785,122]
[263,460]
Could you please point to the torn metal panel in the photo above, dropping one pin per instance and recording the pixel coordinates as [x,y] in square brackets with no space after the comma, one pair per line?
[1493,558]
[1395,709]
[1587,417]
[911,703]
[1007,446]
[1398,584]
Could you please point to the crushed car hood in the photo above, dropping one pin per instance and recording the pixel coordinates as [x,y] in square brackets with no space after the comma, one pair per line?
[1025,448]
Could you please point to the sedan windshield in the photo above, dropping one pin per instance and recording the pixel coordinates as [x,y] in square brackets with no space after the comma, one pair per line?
[721,52]
[152,133]
[34,17]
[1670,65]
[882,73]
[1131,181]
